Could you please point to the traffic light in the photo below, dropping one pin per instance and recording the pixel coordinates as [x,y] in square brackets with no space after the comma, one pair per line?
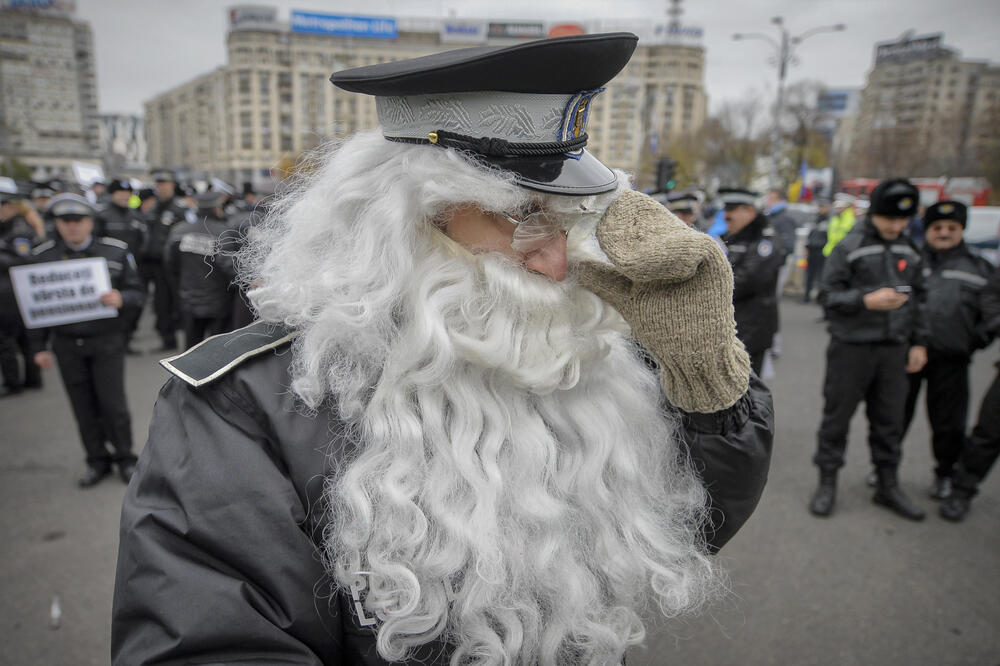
[666,171]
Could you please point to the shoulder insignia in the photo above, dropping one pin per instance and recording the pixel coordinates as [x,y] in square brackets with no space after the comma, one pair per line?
[22,246]
[212,358]
[47,245]
[768,231]
[765,248]
[114,242]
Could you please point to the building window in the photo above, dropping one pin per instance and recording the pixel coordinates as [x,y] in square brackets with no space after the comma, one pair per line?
[286,142]
[265,84]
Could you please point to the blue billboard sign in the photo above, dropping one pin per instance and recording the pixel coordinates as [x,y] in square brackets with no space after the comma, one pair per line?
[344,26]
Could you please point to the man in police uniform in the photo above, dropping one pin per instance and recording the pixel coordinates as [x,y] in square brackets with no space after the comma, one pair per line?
[955,276]
[452,424]
[121,221]
[199,260]
[983,446]
[91,354]
[756,257]
[873,294]
[17,238]
[815,242]
[167,213]
[685,206]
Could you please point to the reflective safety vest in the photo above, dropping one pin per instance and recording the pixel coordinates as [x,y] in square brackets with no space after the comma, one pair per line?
[839,226]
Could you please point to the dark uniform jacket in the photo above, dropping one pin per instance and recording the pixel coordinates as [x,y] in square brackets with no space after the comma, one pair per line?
[125,224]
[860,264]
[162,219]
[816,240]
[219,557]
[784,226]
[756,256]
[17,238]
[199,260]
[124,277]
[954,280]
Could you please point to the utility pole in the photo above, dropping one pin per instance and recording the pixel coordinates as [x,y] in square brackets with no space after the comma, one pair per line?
[784,54]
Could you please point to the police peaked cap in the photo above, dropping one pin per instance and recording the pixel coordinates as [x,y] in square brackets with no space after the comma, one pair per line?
[522,108]
[210,199]
[738,196]
[895,197]
[164,175]
[65,204]
[946,210]
[681,202]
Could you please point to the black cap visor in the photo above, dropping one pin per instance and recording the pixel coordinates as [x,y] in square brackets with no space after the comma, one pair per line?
[579,174]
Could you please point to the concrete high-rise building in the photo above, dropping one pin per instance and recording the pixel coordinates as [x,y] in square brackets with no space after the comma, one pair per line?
[48,86]
[919,110]
[272,99]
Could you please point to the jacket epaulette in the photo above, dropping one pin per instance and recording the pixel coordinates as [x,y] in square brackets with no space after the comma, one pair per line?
[114,242]
[211,359]
[47,245]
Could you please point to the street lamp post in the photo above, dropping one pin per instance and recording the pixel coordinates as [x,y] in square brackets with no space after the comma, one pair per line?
[784,55]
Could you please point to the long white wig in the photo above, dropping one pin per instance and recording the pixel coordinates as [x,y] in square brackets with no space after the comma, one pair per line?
[517,491]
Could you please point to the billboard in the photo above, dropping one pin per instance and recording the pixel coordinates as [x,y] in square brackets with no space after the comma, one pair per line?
[339,25]
[463,31]
[521,30]
[907,49]
[67,6]
[253,17]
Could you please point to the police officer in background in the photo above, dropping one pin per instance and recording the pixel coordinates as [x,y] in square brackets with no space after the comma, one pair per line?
[755,254]
[91,354]
[955,276]
[119,220]
[815,242]
[983,446]
[873,294]
[17,237]
[685,206]
[167,213]
[199,258]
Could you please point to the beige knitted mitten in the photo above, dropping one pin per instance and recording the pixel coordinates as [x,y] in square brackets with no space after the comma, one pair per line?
[674,287]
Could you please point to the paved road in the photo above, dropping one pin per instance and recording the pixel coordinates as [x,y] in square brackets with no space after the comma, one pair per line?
[862,587]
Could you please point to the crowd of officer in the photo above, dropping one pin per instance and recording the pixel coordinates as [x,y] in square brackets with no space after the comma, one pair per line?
[904,310]
[175,242]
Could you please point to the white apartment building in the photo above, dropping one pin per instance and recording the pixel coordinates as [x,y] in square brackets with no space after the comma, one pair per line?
[272,100]
[48,86]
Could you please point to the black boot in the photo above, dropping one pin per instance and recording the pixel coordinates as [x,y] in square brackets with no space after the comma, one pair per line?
[941,488]
[956,506]
[890,496]
[825,495]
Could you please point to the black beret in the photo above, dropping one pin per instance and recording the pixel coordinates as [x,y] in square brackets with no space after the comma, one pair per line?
[145,193]
[119,184]
[895,197]
[946,210]
[522,108]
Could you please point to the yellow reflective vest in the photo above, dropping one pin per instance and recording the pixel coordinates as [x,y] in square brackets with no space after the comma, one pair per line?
[839,226]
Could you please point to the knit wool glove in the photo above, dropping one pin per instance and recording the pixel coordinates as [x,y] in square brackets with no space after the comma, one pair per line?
[674,287]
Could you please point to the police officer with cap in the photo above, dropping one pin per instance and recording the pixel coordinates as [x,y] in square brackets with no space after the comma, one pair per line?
[121,221]
[955,276]
[756,257]
[983,446]
[17,237]
[91,353]
[873,294]
[167,213]
[199,260]
[685,206]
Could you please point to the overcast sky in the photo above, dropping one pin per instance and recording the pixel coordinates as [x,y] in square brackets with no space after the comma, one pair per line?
[145,47]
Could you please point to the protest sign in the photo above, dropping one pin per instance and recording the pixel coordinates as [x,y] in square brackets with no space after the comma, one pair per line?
[62,292]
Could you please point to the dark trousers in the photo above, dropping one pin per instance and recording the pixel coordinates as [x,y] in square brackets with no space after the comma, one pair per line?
[8,358]
[947,407]
[983,446]
[814,270]
[14,343]
[197,329]
[875,373]
[757,361]
[164,300]
[93,372]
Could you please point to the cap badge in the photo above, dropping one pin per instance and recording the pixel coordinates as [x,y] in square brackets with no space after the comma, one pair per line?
[905,203]
[946,209]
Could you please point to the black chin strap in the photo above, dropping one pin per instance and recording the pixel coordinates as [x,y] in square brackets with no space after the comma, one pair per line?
[493,147]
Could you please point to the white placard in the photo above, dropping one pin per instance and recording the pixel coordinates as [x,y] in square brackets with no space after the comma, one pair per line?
[62,292]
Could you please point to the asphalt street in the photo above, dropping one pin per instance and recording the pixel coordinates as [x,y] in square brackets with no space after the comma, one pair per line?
[860,587]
